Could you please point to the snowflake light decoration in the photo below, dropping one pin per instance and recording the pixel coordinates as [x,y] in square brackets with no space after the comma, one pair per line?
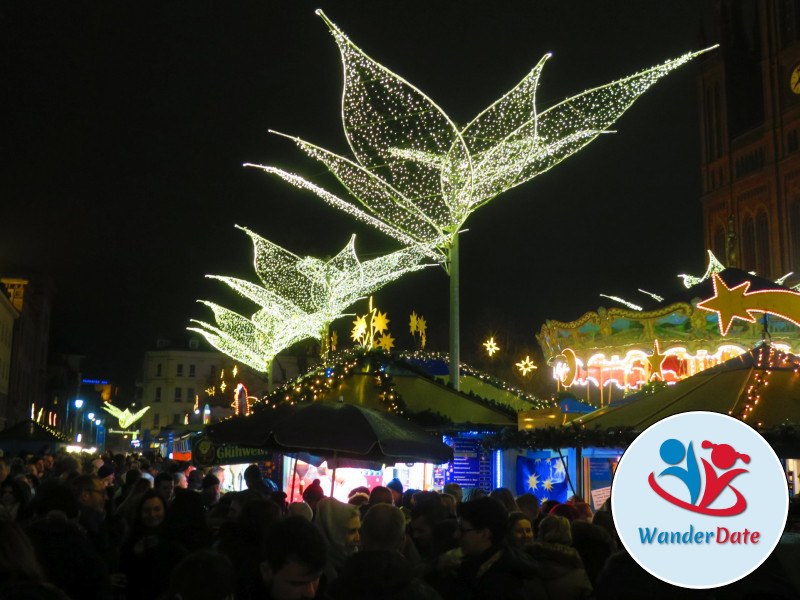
[526,366]
[299,298]
[417,176]
[491,346]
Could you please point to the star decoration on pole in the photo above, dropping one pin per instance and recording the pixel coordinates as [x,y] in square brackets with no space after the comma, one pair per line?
[526,366]
[491,346]
[655,360]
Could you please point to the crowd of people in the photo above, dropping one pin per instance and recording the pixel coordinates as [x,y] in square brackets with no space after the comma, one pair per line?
[135,528]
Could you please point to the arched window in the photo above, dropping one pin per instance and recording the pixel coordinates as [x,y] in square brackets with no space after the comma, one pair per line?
[748,244]
[794,235]
[762,245]
[718,244]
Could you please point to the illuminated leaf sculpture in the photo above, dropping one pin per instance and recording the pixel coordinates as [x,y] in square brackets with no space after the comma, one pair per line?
[417,176]
[125,417]
[298,298]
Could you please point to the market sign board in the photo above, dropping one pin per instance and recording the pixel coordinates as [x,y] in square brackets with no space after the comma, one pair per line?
[206,453]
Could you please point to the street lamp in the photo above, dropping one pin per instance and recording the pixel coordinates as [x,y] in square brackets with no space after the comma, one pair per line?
[78,406]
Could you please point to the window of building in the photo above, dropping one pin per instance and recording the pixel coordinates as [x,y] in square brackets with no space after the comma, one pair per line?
[180,370]
[158,370]
[794,228]
[158,395]
[156,420]
[718,244]
[191,371]
[178,394]
[748,244]
[190,394]
[762,245]
[177,419]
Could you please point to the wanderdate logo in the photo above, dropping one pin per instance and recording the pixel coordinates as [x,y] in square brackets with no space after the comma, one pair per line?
[699,499]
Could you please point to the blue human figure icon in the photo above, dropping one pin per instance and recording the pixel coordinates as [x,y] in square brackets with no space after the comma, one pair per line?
[672,452]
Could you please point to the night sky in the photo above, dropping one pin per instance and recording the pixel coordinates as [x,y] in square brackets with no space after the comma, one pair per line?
[125,126]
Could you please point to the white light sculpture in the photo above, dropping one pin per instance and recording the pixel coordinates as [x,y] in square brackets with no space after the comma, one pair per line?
[299,298]
[417,176]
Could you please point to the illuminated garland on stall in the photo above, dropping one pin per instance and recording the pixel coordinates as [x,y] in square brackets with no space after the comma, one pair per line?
[299,299]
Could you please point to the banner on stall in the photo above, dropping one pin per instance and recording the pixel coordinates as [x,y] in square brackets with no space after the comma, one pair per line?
[545,478]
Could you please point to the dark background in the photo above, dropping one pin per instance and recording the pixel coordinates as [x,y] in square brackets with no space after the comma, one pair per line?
[125,126]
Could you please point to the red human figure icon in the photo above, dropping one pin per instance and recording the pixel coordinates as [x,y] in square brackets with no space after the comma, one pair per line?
[724,457]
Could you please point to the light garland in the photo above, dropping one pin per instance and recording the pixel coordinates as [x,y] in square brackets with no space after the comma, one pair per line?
[417,176]
[299,299]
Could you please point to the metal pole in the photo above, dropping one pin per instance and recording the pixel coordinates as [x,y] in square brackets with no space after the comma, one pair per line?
[455,359]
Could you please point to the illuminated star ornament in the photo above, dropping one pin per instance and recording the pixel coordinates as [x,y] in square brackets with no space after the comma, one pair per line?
[417,176]
[655,360]
[533,481]
[299,298]
[491,346]
[526,366]
[738,303]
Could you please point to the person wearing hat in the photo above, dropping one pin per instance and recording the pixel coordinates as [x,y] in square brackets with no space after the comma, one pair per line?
[313,494]
[210,491]
[396,486]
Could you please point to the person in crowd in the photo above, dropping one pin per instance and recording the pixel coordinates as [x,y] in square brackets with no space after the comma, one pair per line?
[396,487]
[520,530]
[69,559]
[339,524]
[358,499]
[313,494]
[484,567]
[21,575]
[106,474]
[15,497]
[5,469]
[215,583]
[529,506]
[430,528]
[179,480]
[293,561]
[147,551]
[562,572]
[194,480]
[302,509]
[254,481]
[506,498]
[210,492]
[450,504]
[594,544]
[362,489]
[568,511]
[454,490]
[165,484]
[219,472]
[380,570]
[185,522]
[103,531]
[126,509]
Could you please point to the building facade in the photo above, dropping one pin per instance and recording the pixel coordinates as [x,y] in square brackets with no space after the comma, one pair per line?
[8,314]
[750,116]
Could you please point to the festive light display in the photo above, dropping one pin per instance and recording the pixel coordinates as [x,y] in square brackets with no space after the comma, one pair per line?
[630,305]
[299,298]
[526,365]
[737,303]
[125,417]
[418,327]
[655,361]
[367,329]
[491,346]
[714,266]
[418,176]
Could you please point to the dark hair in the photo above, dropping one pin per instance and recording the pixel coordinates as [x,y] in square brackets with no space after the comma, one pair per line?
[486,513]
[162,477]
[203,575]
[528,502]
[138,527]
[294,539]
[431,509]
[253,473]
[514,517]
[17,556]
[380,494]
[52,495]
[383,527]
[84,483]
[505,497]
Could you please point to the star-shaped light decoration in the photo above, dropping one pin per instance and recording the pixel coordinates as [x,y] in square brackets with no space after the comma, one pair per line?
[655,360]
[491,346]
[533,481]
[379,322]
[417,176]
[526,365]
[738,303]
[558,467]
[386,341]
[299,298]
[548,484]
[334,340]
[413,322]
[359,329]
[421,325]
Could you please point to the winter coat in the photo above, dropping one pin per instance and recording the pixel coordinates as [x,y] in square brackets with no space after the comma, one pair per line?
[379,574]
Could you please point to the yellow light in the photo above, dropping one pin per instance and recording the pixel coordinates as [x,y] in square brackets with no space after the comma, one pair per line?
[491,346]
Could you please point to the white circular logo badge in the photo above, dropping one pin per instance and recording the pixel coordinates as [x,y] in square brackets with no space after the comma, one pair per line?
[699,499]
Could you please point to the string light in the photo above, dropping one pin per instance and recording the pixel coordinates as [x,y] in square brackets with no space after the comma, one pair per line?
[299,298]
[417,176]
